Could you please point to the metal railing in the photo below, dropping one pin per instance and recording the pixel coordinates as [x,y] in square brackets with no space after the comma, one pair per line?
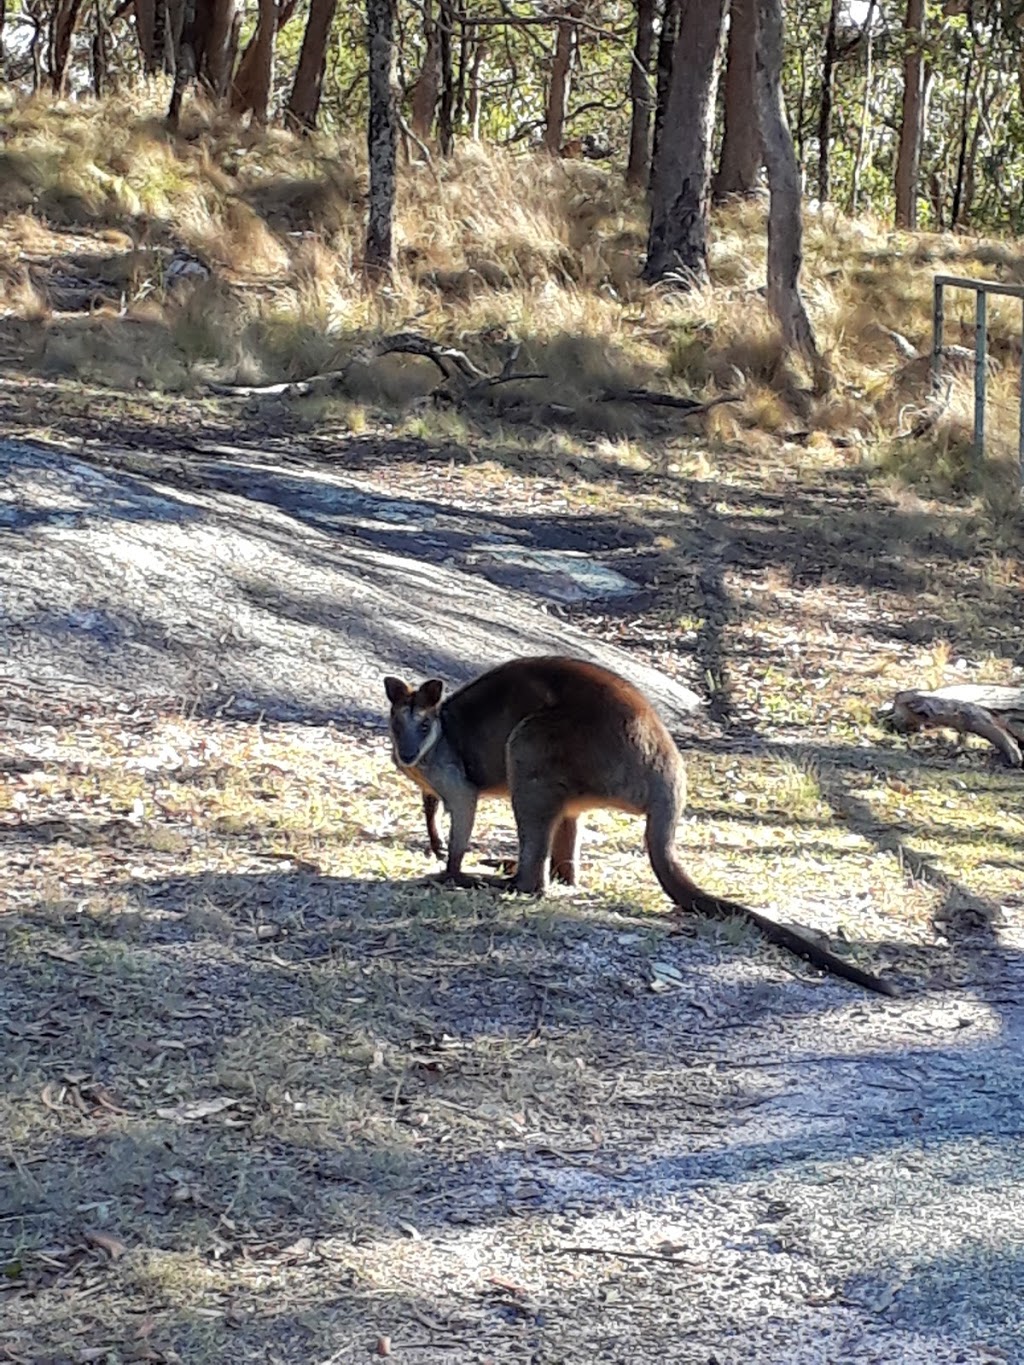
[981,289]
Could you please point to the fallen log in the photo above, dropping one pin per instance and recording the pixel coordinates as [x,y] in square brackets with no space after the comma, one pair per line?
[462,379]
[995,713]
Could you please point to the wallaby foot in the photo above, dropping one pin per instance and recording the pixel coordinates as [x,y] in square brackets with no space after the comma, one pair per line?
[506,867]
[560,872]
[446,878]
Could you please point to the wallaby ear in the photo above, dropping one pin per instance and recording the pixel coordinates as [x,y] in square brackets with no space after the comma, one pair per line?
[397,691]
[429,693]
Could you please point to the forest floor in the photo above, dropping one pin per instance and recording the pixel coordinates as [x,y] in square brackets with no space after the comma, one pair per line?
[266,1097]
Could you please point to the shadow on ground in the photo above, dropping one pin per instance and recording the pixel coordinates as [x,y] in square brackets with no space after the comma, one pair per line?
[335,1077]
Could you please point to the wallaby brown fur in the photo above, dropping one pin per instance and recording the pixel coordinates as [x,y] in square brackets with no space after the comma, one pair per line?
[560,736]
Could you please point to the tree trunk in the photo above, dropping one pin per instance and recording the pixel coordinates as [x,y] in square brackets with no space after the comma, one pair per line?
[680,192]
[145,35]
[36,48]
[172,18]
[967,104]
[381,139]
[176,33]
[99,52]
[465,40]
[860,156]
[62,28]
[428,83]
[473,100]
[641,93]
[742,158]
[304,101]
[560,84]
[666,46]
[988,112]
[217,59]
[801,106]
[254,78]
[785,223]
[912,128]
[828,73]
[446,104]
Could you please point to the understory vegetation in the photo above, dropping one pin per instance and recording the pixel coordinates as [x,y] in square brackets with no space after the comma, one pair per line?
[493,247]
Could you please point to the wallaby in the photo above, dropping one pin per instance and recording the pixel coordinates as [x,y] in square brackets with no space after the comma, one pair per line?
[560,736]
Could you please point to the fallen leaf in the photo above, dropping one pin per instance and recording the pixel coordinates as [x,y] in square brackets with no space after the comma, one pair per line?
[114,1248]
[197,1109]
[62,954]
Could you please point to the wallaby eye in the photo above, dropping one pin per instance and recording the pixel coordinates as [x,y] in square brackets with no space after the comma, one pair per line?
[424,726]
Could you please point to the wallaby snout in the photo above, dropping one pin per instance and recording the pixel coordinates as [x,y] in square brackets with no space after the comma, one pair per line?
[410,735]
[413,721]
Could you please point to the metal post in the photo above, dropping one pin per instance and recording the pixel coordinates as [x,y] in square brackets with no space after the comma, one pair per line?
[980,369]
[938,318]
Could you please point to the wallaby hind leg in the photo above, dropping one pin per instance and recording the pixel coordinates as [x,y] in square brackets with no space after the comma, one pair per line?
[537,802]
[536,821]
[565,852]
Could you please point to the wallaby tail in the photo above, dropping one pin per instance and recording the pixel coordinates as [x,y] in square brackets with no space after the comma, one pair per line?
[689,896]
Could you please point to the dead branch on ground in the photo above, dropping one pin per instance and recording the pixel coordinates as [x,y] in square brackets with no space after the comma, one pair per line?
[451,362]
[462,379]
[994,713]
[691,406]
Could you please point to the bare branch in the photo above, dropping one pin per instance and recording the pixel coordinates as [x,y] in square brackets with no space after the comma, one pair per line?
[666,400]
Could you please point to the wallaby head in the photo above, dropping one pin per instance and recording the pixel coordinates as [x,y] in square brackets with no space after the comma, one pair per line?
[415,723]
